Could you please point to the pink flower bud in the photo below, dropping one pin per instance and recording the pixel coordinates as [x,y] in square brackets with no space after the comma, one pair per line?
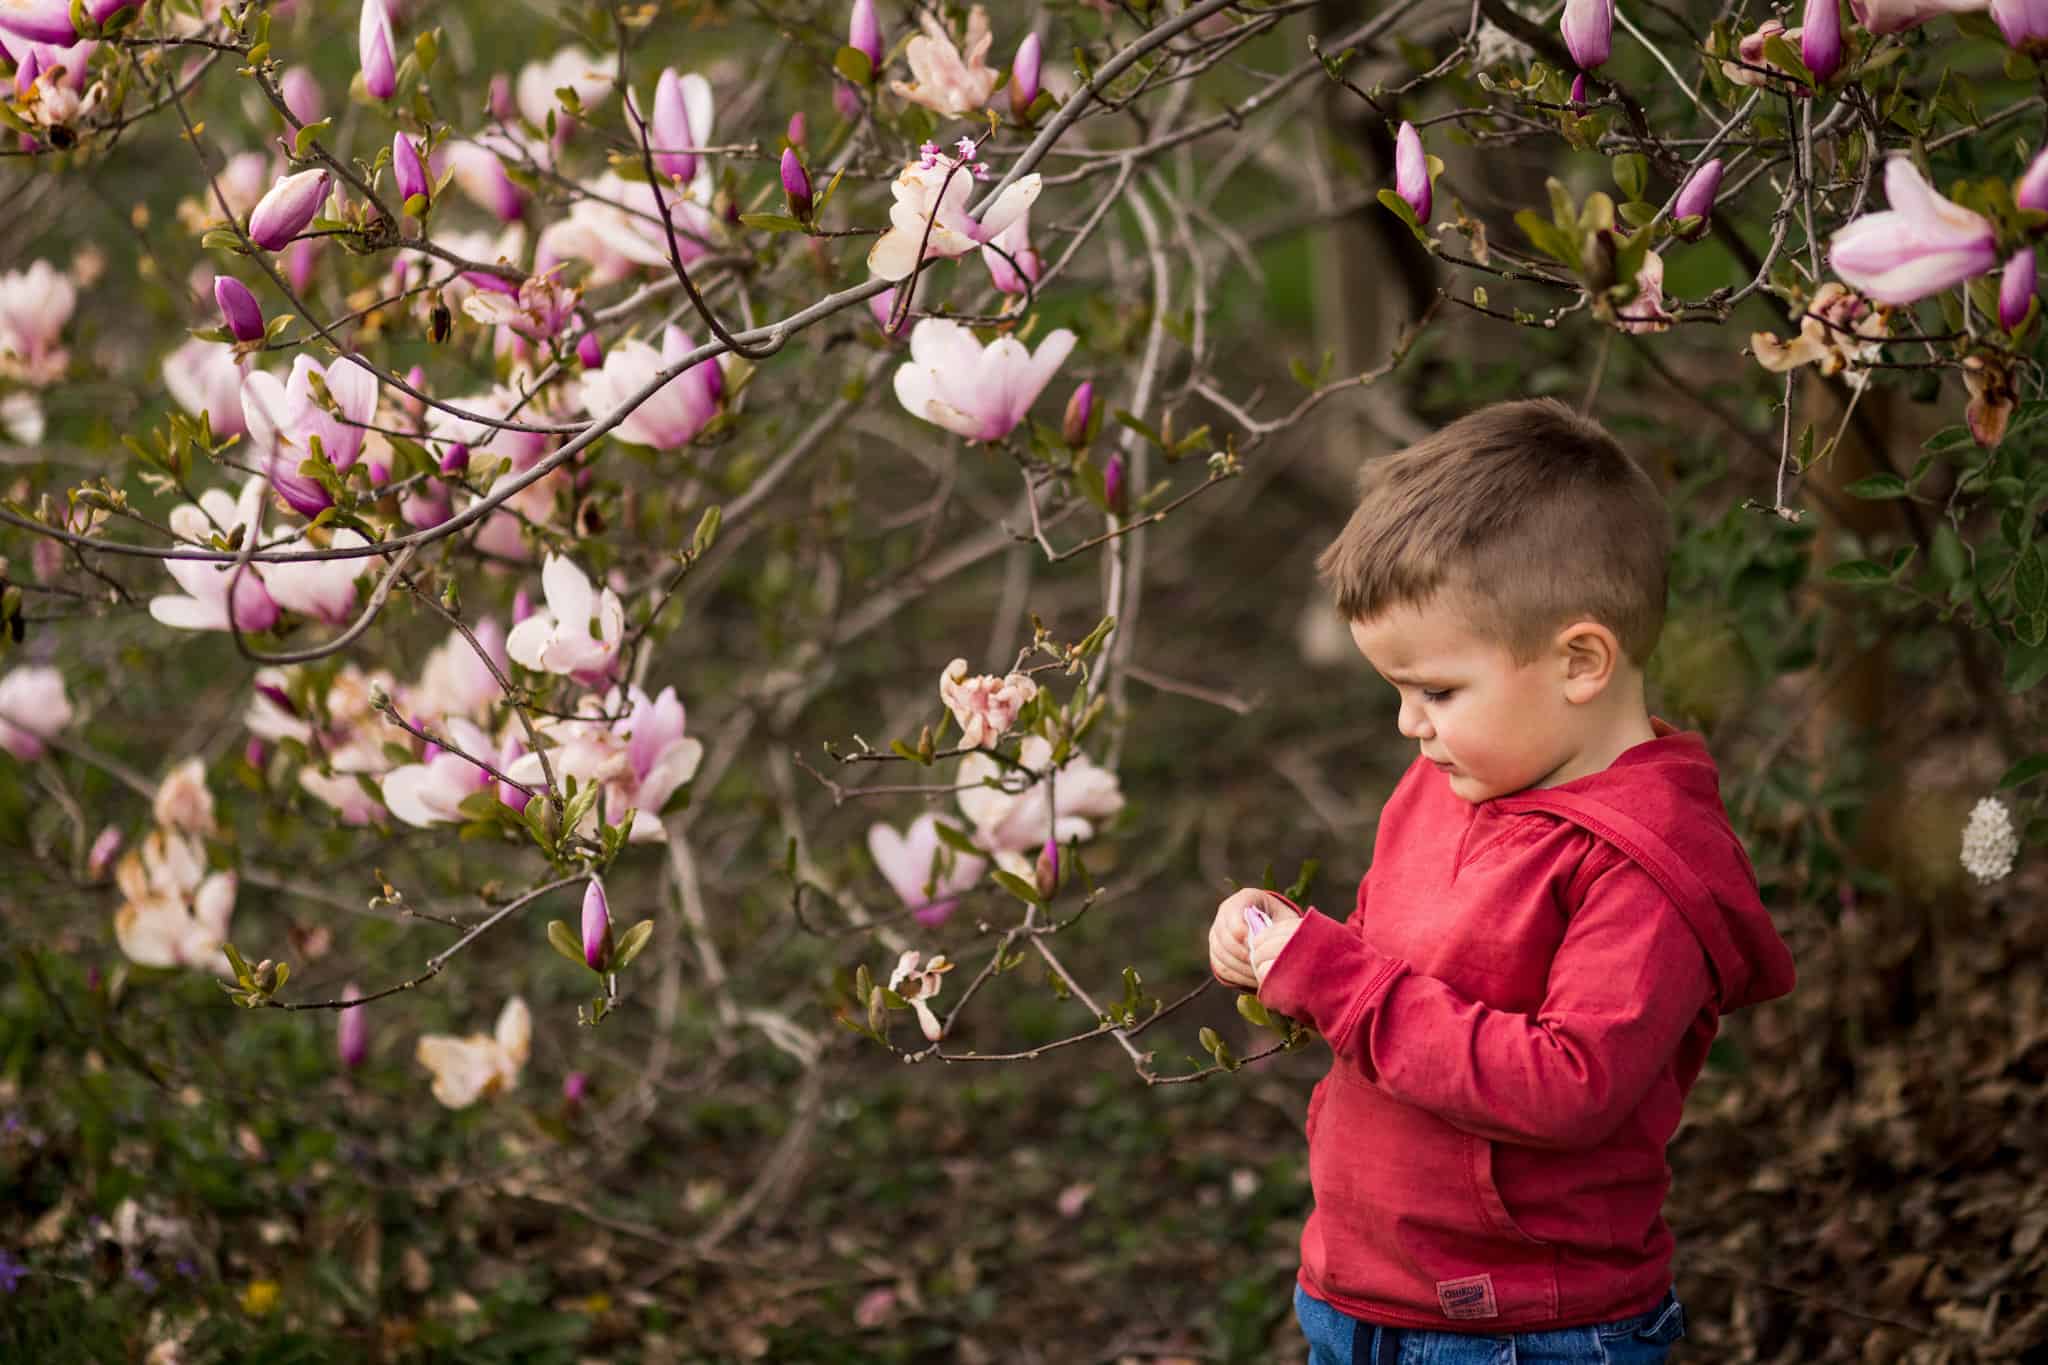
[1579,88]
[1046,876]
[407,168]
[455,459]
[1696,196]
[417,378]
[301,91]
[1411,173]
[671,127]
[42,21]
[253,753]
[352,1031]
[522,606]
[2016,290]
[589,350]
[1588,28]
[103,850]
[299,260]
[597,927]
[1256,922]
[1080,408]
[238,308]
[575,1088]
[846,100]
[1113,491]
[374,48]
[2032,191]
[797,128]
[1024,77]
[883,306]
[284,211]
[1820,38]
[796,185]
[862,34]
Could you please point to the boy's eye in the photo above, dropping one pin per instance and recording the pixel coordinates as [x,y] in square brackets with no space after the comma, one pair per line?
[1431,694]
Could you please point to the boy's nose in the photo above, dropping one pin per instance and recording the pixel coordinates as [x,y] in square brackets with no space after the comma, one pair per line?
[1413,723]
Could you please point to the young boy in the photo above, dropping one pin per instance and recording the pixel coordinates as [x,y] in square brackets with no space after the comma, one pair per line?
[1556,916]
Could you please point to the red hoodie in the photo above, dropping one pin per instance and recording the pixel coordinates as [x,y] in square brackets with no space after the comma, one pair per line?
[1517,1007]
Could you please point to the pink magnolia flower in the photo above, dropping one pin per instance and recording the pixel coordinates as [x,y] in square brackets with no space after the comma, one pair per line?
[33,708]
[539,309]
[174,912]
[946,83]
[576,633]
[931,209]
[466,1070]
[205,377]
[324,589]
[984,706]
[206,583]
[456,681]
[590,77]
[480,174]
[1838,330]
[69,58]
[1588,28]
[301,91]
[917,981]
[1011,818]
[374,47]
[633,747]
[1750,65]
[617,229]
[478,439]
[921,869]
[283,213]
[284,420]
[2032,190]
[432,792]
[683,113]
[1645,312]
[980,392]
[2023,22]
[183,803]
[1015,240]
[1896,16]
[678,410]
[34,306]
[42,21]
[1922,245]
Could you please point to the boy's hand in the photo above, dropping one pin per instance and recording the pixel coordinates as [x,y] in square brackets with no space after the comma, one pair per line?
[1267,947]
[1232,952]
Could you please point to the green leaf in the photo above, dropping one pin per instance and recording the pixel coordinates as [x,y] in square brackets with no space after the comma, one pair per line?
[2030,628]
[563,940]
[2030,581]
[631,944]
[1255,1013]
[1786,58]
[1860,572]
[707,530]
[1632,173]
[2025,666]
[772,222]
[302,142]
[1137,424]
[2024,771]
[1018,887]
[222,239]
[1877,487]
[955,838]
[853,64]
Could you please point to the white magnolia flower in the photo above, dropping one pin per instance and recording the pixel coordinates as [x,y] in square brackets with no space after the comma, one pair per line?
[174,913]
[324,589]
[1990,844]
[984,705]
[1013,819]
[559,637]
[931,212]
[33,708]
[468,1069]
[456,680]
[182,801]
[432,792]
[590,77]
[917,982]
[34,306]
[980,392]
[631,746]
[948,83]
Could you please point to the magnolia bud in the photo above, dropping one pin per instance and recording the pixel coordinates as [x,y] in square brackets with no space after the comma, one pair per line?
[883,307]
[865,35]
[1047,874]
[299,259]
[103,850]
[2016,289]
[287,207]
[301,93]
[796,185]
[1820,38]
[1024,77]
[352,1031]
[797,128]
[1411,173]
[455,459]
[522,606]
[575,1088]
[253,753]
[1579,88]
[597,927]
[589,350]
[846,100]
[1696,196]
[238,308]
[672,128]
[503,107]
[1113,491]
[1080,408]
[2032,190]
[373,47]
[1588,28]
[407,169]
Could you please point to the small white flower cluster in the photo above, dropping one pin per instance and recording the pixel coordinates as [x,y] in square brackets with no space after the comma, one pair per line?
[1990,843]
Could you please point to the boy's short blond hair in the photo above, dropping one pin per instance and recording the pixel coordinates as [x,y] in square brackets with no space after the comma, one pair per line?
[1525,516]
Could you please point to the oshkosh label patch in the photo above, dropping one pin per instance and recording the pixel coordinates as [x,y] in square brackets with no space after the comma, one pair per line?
[1471,1297]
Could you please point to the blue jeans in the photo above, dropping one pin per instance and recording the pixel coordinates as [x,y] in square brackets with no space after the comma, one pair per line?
[1335,1338]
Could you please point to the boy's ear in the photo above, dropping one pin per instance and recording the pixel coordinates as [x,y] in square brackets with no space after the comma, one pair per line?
[1591,656]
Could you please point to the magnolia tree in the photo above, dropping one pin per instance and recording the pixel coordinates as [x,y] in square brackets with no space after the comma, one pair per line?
[490,383]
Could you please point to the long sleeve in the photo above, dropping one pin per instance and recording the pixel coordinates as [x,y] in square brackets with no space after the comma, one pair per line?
[1627,981]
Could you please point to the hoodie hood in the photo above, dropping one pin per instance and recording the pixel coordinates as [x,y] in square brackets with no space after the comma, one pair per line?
[1660,803]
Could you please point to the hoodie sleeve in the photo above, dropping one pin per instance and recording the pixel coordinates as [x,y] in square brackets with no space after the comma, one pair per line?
[1627,981]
